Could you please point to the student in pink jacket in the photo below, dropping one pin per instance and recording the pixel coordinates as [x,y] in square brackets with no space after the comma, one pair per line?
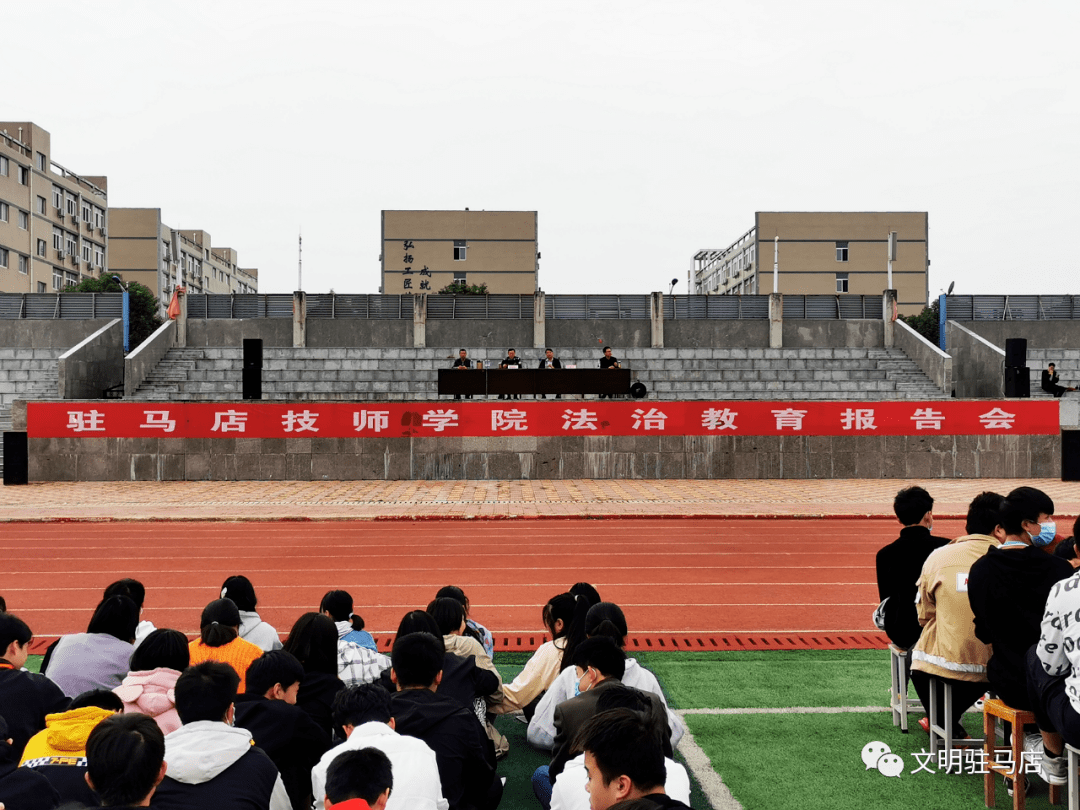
[155,666]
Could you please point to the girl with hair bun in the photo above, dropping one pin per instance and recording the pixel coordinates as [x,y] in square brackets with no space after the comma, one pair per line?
[472,629]
[564,618]
[338,605]
[252,628]
[603,619]
[219,639]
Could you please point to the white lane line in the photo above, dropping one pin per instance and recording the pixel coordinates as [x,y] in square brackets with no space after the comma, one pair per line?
[790,710]
[716,792]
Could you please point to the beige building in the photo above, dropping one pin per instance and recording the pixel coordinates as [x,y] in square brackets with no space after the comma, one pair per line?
[53,222]
[822,253]
[144,249]
[423,251]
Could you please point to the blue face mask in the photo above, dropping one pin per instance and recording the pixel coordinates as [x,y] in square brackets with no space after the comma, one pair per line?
[1046,535]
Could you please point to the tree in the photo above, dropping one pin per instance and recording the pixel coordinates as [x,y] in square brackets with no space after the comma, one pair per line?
[926,323]
[463,289]
[142,309]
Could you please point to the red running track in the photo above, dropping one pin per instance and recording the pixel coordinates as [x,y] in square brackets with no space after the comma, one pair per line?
[698,576]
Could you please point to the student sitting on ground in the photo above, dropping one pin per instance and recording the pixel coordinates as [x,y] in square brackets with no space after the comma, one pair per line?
[338,605]
[211,762]
[136,592]
[571,791]
[25,697]
[287,734]
[22,788]
[362,717]
[359,780]
[599,665]
[564,617]
[603,619]
[219,639]
[624,760]
[314,641]
[125,760]
[98,658]
[472,628]
[252,628]
[465,755]
[58,752]
[155,666]
[948,648]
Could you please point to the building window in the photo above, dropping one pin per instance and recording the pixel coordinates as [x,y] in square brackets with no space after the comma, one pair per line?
[86,251]
[3,212]
[58,239]
[842,280]
[58,198]
[86,212]
[3,257]
[459,250]
[459,277]
[841,251]
[72,245]
[99,256]
[4,166]
[72,206]
[24,176]
[24,264]
[24,220]
[41,287]
[42,246]
[41,162]
[57,279]
[41,205]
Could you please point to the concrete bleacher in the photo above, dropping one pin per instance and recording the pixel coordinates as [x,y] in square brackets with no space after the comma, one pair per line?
[1066,363]
[25,374]
[350,374]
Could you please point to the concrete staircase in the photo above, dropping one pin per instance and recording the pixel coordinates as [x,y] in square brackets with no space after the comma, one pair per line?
[368,374]
[25,374]
[1066,363]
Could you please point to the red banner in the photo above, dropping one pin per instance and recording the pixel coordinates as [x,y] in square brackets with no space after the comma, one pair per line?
[538,418]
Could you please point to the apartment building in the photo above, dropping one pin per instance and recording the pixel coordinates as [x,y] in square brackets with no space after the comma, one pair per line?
[423,251]
[822,253]
[53,222]
[143,248]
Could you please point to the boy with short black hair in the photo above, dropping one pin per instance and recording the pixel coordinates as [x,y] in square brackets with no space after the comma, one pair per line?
[359,780]
[26,697]
[125,760]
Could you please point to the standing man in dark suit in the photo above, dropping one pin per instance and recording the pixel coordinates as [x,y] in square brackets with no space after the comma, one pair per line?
[463,363]
[608,361]
[550,361]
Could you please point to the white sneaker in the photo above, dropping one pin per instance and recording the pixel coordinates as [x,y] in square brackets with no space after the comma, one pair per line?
[1053,770]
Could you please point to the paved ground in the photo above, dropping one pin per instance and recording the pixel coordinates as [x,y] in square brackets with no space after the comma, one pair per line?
[367,500]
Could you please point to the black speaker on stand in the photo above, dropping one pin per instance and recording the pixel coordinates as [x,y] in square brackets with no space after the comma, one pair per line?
[252,373]
[1017,373]
[1016,352]
[1070,455]
[16,458]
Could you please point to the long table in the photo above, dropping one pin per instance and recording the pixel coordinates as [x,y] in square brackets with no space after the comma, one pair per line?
[534,381]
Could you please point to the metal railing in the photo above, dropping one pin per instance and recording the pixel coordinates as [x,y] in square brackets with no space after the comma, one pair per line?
[72,306]
[509,307]
[832,307]
[278,305]
[374,307]
[716,307]
[1012,307]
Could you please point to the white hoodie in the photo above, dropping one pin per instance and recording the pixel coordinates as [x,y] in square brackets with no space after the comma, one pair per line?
[203,750]
[258,632]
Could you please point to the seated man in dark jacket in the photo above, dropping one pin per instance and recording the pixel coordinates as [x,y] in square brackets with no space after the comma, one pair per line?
[210,762]
[293,741]
[465,755]
[1050,382]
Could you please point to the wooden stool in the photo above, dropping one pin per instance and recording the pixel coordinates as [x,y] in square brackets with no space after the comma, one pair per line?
[943,736]
[992,710]
[1074,786]
[899,701]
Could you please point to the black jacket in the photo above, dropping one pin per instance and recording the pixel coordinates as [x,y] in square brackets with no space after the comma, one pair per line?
[1007,589]
[317,692]
[26,698]
[24,788]
[287,734]
[899,565]
[247,784]
[464,681]
[466,757]
[554,363]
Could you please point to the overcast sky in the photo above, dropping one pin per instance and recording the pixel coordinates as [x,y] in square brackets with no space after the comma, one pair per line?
[640,132]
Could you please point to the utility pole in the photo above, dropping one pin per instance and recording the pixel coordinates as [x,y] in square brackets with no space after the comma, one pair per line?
[300,261]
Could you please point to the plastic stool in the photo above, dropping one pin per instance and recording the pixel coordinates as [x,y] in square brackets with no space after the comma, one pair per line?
[899,701]
[992,710]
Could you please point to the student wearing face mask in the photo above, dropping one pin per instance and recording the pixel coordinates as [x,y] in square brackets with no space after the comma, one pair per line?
[1008,588]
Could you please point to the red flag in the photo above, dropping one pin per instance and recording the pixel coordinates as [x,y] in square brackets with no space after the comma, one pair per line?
[174,305]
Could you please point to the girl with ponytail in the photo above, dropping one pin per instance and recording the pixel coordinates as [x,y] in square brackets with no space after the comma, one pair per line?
[564,618]
[338,605]
[219,639]
[603,619]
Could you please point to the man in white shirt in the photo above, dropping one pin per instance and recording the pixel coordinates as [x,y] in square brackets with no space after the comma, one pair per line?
[362,713]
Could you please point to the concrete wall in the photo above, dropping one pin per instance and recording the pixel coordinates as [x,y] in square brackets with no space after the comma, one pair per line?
[935,363]
[496,334]
[1039,334]
[617,334]
[139,364]
[811,334]
[91,366]
[978,365]
[232,331]
[509,458]
[692,334]
[59,333]
[335,333]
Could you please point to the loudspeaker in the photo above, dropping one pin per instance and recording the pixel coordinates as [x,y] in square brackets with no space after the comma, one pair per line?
[1070,455]
[252,352]
[1017,381]
[638,390]
[16,458]
[1015,352]
[252,382]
